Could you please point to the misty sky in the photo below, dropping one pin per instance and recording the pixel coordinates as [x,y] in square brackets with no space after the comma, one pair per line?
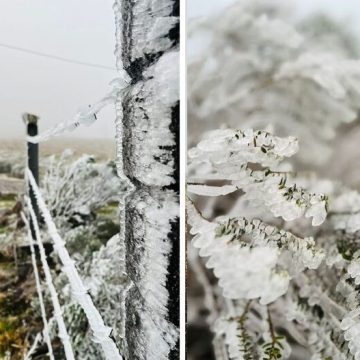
[76,29]
[84,31]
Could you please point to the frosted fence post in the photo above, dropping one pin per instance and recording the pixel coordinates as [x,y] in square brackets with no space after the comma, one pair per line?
[31,122]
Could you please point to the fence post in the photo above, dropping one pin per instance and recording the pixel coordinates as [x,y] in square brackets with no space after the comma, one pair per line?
[30,121]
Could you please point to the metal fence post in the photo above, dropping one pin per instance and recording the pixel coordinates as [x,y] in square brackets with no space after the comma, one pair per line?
[33,159]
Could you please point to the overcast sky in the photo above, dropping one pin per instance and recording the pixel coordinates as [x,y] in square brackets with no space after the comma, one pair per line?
[76,29]
[84,31]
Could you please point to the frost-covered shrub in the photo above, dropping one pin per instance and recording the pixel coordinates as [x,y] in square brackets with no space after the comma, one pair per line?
[274,251]
[73,190]
[276,290]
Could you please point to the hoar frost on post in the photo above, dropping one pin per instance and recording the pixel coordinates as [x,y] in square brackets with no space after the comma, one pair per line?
[146,126]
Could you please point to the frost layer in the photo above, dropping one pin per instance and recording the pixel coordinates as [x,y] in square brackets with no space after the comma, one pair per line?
[147,121]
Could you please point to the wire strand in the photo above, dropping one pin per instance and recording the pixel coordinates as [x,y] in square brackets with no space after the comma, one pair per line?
[38,288]
[55,57]
[101,332]
[63,334]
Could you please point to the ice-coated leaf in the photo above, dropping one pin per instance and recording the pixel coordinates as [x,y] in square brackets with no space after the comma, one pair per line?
[248,160]
[251,259]
[318,213]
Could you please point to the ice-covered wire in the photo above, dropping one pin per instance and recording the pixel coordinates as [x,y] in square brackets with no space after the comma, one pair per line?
[85,116]
[102,333]
[34,346]
[63,334]
[38,288]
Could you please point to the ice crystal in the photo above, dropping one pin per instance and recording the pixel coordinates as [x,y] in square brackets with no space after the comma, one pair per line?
[146,121]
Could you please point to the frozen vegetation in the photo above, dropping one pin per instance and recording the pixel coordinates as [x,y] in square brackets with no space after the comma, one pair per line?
[86,229]
[274,250]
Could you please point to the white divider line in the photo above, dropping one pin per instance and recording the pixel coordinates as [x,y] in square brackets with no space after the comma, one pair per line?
[101,332]
[63,334]
[38,288]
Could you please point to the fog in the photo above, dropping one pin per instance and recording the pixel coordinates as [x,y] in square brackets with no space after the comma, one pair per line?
[52,89]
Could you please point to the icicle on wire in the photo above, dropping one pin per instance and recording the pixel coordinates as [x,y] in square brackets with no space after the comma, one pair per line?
[63,334]
[38,288]
[85,116]
[102,333]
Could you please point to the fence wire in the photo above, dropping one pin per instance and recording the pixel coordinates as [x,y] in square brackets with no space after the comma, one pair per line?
[39,291]
[101,332]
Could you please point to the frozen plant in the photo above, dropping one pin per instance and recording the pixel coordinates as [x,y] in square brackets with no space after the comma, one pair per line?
[276,252]
[227,156]
[266,256]
[278,294]
[74,189]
